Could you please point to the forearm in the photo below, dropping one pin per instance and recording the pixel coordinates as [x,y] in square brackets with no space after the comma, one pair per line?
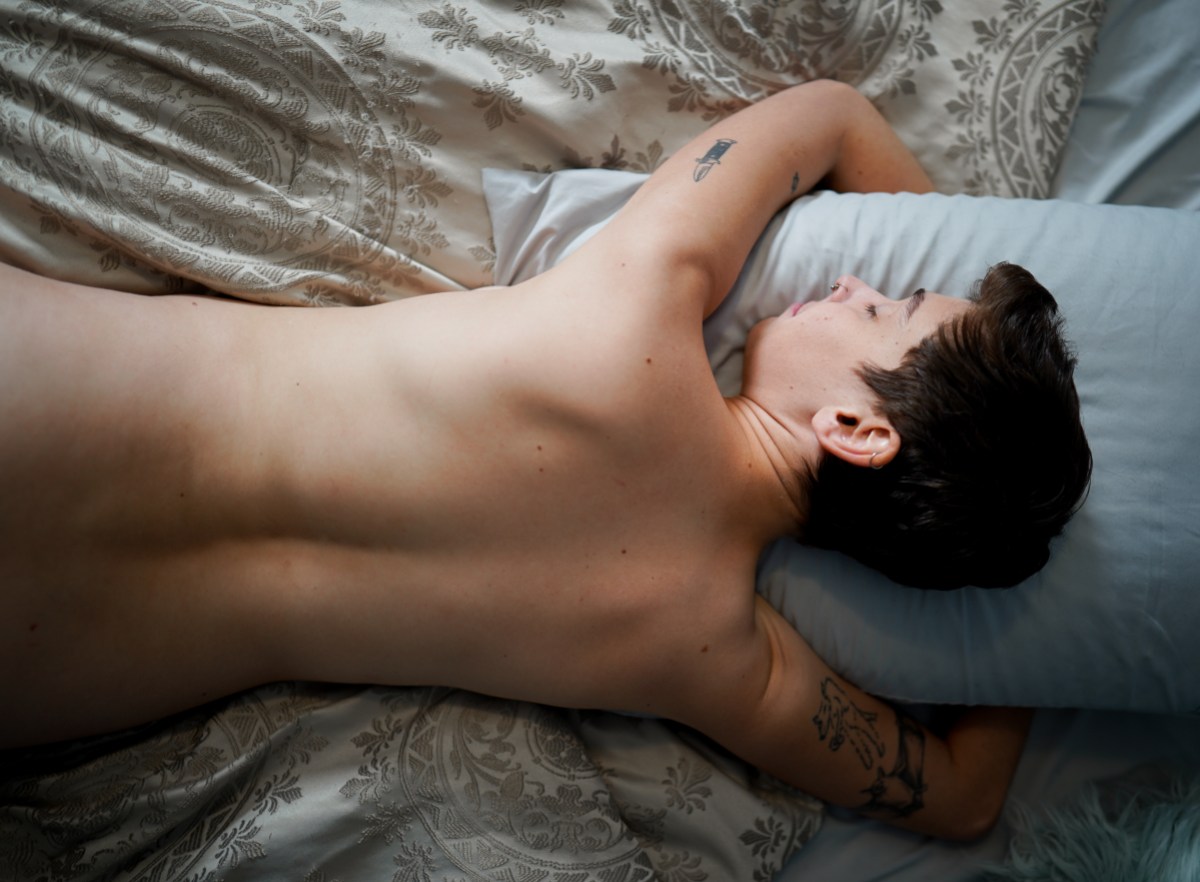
[821,734]
[984,746]
[883,763]
[871,158]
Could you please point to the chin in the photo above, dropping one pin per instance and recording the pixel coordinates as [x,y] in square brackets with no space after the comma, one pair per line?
[757,329]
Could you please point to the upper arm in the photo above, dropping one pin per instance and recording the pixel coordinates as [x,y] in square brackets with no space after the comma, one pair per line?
[818,732]
[699,214]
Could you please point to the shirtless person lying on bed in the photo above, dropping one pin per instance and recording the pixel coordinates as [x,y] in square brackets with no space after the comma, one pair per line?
[534,492]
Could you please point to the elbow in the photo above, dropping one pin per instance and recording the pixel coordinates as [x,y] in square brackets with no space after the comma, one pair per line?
[834,99]
[974,831]
[973,824]
[835,88]
[967,817]
[840,96]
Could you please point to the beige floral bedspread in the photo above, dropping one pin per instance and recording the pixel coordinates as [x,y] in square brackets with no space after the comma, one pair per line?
[322,151]
[329,151]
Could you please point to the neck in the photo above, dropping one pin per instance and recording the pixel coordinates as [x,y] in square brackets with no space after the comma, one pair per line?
[776,458]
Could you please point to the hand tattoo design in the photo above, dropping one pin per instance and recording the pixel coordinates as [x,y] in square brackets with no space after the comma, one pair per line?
[839,720]
[893,794]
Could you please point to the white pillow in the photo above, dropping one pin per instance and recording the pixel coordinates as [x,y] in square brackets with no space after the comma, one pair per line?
[1111,621]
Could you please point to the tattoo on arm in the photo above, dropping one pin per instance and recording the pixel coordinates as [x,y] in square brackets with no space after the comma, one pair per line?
[713,157]
[893,794]
[795,181]
[900,792]
[839,720]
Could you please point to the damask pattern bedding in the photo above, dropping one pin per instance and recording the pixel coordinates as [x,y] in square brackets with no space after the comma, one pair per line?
[323,783]
[315,152]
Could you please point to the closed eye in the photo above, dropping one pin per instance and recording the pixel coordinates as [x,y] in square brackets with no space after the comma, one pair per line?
[872,311]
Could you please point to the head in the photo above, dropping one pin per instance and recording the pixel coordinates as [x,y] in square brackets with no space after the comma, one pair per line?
[990,458]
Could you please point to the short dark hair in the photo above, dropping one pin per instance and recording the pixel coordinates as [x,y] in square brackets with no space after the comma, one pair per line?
[993,460]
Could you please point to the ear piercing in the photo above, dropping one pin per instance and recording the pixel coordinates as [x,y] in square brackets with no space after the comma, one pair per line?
[835,286]
[876,467]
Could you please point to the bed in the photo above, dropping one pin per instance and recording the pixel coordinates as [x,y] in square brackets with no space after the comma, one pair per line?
[318,153]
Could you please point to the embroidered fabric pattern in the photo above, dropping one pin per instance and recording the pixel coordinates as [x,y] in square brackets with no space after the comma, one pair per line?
[303,152]
[417,784]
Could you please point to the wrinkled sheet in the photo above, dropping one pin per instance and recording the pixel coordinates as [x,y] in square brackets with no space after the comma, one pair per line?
[322,783]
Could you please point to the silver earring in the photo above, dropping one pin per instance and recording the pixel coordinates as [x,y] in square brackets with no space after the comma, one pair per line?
[835,286]
[873,455]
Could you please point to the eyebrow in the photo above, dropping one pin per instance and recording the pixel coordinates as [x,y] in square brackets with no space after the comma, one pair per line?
[914,303]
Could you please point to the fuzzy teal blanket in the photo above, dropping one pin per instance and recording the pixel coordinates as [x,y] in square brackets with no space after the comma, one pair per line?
[1126,831]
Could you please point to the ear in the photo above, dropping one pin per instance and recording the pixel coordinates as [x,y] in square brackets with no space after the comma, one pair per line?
[860,437]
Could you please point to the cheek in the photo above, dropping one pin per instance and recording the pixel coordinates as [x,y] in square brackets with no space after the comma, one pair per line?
[811,349]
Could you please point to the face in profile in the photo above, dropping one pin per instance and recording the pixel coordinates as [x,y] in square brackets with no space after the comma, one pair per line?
[811,352]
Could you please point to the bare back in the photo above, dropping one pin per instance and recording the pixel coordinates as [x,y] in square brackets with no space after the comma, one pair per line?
[510,490]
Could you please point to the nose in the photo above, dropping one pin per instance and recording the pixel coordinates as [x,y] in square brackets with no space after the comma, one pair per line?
[841,289]
[848,287]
